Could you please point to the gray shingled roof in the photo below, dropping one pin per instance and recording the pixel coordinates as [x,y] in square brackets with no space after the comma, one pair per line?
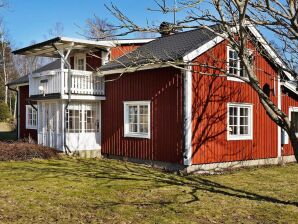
[25,79]
[168,48]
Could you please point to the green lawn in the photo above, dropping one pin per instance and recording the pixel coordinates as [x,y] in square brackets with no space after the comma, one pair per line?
[108,191]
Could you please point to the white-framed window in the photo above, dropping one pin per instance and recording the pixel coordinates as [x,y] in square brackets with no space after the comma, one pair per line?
[234,66]
[293,116]
[240,121]
[31,117]
[80,62]
[137,119]
[82,118]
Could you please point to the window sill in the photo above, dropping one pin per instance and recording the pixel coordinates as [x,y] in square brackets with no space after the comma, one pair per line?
[31,127]
[237,138]
[130,135]
[234,79]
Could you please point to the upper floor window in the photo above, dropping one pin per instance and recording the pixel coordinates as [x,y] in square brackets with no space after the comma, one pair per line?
[137,119]
[80,62]
[234,65]
[239,121]
[31,117]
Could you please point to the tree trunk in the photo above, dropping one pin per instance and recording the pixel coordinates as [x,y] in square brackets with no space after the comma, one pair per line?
[294,140]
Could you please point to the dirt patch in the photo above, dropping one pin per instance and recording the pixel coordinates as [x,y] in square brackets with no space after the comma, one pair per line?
[19,151]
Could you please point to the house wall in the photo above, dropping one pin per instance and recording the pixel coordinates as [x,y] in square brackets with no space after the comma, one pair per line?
[288,100]
[118,51]
[210,98]
[163,87]
[24,133]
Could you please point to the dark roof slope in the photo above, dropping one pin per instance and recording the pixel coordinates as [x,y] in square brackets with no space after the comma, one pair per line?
[25,79]
[168,48]
[21,80]
[51,66]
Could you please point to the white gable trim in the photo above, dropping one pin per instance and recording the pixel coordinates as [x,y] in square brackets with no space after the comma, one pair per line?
[192,55]
[269,50]
[290,87]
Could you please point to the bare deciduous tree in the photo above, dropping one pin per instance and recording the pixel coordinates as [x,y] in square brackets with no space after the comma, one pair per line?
[98,29]
[232,19]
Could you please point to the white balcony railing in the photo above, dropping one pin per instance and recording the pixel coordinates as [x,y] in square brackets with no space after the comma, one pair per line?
[56,81]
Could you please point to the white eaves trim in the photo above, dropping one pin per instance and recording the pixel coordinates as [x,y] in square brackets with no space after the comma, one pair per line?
[88,42]
[132,69]
[290,87]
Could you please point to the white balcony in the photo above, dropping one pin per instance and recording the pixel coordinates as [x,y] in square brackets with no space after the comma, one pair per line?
[56,82]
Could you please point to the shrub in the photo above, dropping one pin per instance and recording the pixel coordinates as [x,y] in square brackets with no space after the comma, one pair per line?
[4,111]
[18,151]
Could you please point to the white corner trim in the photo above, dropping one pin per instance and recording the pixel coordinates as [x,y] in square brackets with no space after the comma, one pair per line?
[126,119]
[187,109]
[192,55]
[279,106]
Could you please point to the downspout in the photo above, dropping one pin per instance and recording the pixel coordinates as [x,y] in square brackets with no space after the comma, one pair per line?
[69,78]
[187,116]
[16,108]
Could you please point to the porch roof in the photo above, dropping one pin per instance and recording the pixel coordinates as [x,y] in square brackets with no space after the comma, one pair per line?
[47,49]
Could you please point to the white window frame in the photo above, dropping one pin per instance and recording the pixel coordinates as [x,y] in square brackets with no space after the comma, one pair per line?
[293,109]
[33,111]
[77,58]
[126,119]
[249,136]
[229,48]
[82,108]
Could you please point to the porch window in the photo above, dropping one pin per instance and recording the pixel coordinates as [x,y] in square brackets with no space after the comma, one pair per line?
[31,117]
[82,118]
[137,119]
[73,121]
[90,120]
[239,121]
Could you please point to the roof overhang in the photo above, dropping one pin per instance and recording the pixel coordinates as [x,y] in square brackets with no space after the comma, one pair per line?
[48,48]
[133,69]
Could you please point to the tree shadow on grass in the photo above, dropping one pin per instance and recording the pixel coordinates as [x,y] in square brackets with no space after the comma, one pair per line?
[109,172]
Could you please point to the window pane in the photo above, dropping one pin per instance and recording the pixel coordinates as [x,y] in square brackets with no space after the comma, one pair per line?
[294,119]
[243,130]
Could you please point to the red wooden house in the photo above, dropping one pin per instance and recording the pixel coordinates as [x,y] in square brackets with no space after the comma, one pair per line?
[150,111]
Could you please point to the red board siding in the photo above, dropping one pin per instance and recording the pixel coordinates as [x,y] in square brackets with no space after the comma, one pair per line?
[93,62]
[288,100]
[118,51]
[210,98]
[163,87]
[25,133]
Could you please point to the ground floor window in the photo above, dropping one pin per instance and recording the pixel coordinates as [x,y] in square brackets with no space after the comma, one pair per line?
[239,121]
[293,116]
[137,119]
[82,118]
[31,117]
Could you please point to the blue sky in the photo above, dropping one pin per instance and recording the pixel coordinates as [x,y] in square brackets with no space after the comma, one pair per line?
[29,20]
